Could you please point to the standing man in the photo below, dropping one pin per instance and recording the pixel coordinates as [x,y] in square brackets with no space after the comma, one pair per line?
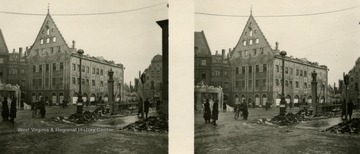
[13,110]
[207,111]
[350,109]
[146,106]
[42,107]
[5,110]
[215,112]
[224,107]
[140,108]
[22,104]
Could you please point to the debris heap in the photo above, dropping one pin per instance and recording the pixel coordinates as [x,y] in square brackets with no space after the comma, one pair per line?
[79,118]
[151,124]
[286,120]
[346,127]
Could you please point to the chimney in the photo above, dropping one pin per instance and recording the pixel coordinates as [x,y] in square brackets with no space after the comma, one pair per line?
[20,53]
[229,50]
[216,52]
[73,44]
[276,46]
[13,50]
[223,53]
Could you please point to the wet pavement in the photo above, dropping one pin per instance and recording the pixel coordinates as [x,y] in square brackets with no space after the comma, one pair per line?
[246,136]
[36,135]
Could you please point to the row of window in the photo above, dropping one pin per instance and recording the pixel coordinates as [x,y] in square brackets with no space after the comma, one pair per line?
[258,68]
[87,69]
[290,83]
[290,71]
[255,52]
[218,73]
[56,66]
[52,50]
[14,81]
[55,82]
[16,71]
[251,42]
[48,40]
[258,83]
[86,82]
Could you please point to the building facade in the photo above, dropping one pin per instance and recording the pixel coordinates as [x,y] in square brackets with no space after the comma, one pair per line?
[352,92]
[256,71]
[4,59]
[17,74]
[211,69]
[53,70]
[154,78]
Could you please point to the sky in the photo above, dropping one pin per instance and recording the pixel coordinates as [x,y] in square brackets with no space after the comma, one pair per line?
[330,39]
[130,38]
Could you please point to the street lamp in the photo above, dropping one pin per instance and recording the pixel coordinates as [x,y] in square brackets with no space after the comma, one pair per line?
[143,80]
[79,108]
[346,80]
[283,101]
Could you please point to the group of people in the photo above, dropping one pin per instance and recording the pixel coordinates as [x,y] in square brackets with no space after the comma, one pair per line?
[211,111]
[40,106]
[350,107]
[7,113]
[243,108]
[146,107]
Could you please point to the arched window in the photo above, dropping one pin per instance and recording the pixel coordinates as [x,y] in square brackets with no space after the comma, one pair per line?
[251,33]
[244,43]
[250,42]
[47,40]
[41,41]
[257,41]
[48,32]
[54,39]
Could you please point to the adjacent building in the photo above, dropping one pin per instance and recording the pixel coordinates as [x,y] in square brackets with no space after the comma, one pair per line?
[257,71]
[211,69]
[352,92]
[154,78]
[4,59]
[54,68]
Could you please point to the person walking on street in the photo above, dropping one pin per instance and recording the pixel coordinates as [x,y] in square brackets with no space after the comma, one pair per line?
[350,109]
[22,104]
[42,107]
[245,111]
[224,107]
[207,111]
[146,107]
[5,110]
[13,110]
[215,112]
[140,107]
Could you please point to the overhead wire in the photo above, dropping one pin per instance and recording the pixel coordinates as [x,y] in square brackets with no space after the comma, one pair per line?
[286,15]
[82,14]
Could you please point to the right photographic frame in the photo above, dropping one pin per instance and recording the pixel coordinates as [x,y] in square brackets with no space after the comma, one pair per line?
[276,77]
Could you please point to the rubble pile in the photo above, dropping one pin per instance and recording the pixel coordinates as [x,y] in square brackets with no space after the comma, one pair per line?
[286,120]
[81,118]
[347,127]
[326,115]
[151,124]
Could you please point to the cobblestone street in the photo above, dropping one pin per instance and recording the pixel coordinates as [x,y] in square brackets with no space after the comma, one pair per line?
[105,137]
[240,136]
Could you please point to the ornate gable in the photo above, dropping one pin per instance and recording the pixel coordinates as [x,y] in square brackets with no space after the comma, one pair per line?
[252,41]
[49,41]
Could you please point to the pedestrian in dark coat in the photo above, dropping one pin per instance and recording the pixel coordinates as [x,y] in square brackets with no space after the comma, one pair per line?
[42,107]
[146,107]
[207,111]
[224,107]
[13,110]
[5,110]
[22,105]
[343,109]
[140,107]
[350,109]
[215,112]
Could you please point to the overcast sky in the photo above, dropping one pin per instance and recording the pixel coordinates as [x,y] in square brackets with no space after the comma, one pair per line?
[131,38]
[329,39]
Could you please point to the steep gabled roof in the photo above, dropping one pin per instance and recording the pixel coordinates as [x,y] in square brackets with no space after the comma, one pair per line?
[3,47]
[50,25]
[202,48]
[256,33]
